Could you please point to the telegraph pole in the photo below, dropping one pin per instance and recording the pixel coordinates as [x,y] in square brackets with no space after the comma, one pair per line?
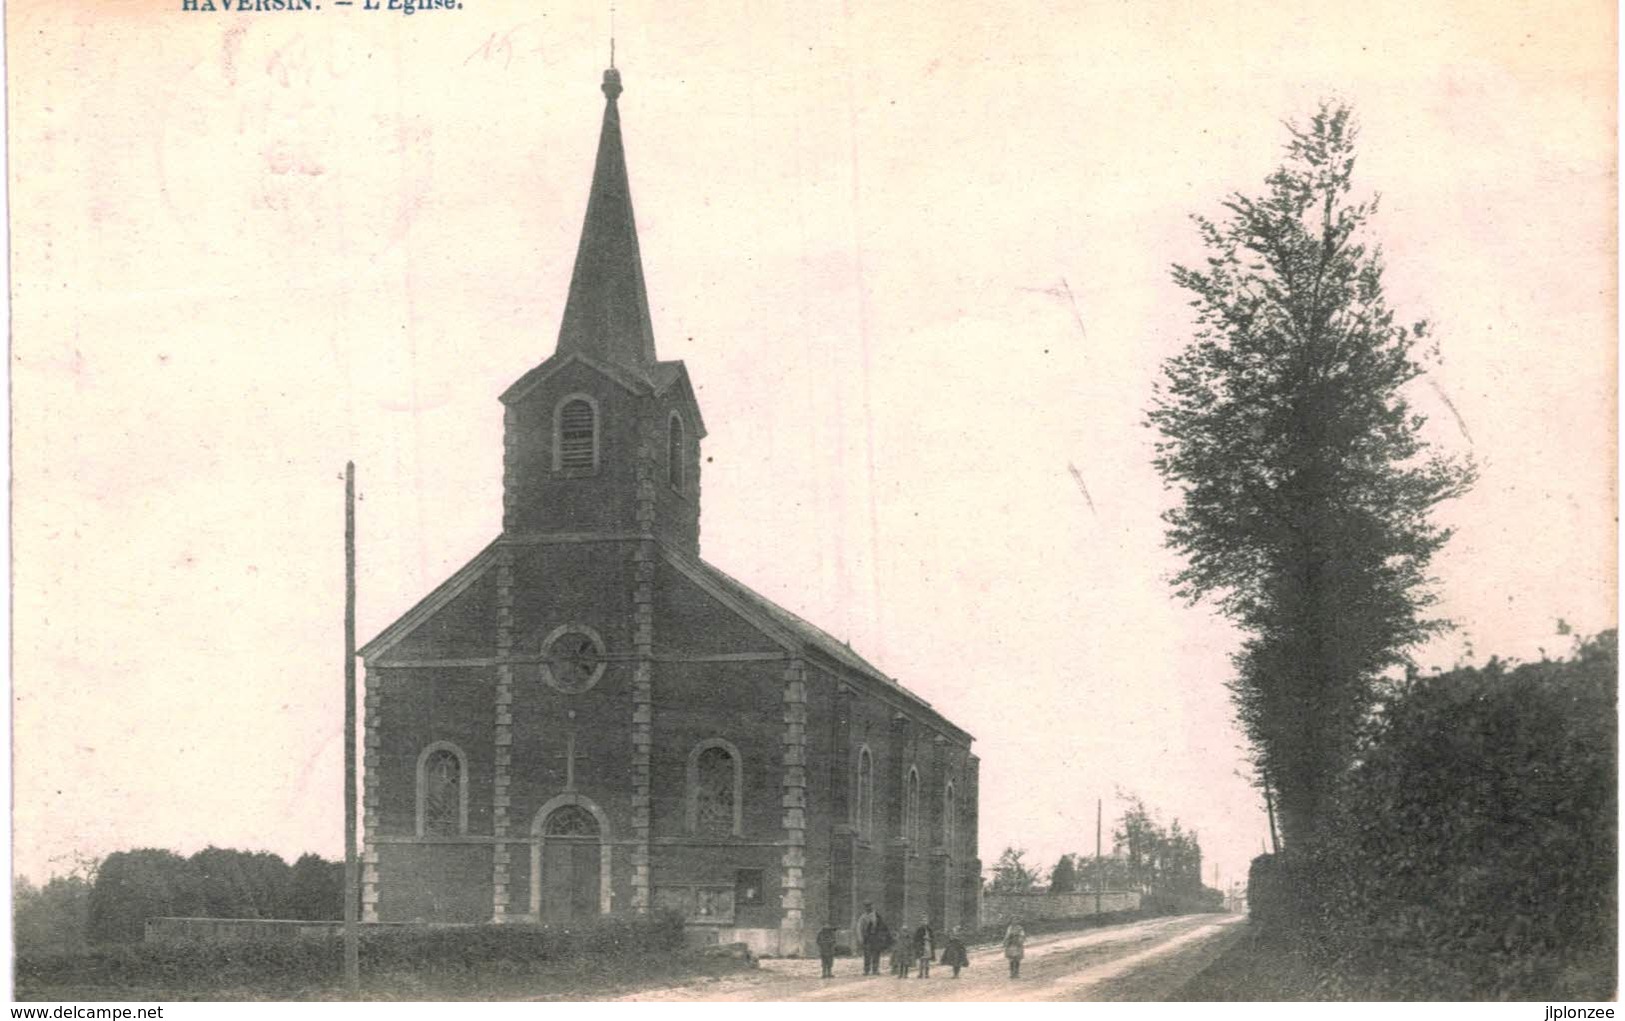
[352,950]
[1100,873]
[1269,806]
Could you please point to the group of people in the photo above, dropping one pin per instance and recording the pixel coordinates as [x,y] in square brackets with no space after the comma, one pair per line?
[919,949]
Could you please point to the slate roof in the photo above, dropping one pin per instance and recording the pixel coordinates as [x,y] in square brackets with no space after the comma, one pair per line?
[607,311]
[800,628]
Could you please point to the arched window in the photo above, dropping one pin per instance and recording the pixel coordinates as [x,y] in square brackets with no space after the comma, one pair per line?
[863,806]
[575,434]
[948,819]
[911,807]
[675,453]
[442,791]
[715,782]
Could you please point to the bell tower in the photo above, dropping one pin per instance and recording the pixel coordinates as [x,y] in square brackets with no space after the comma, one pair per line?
[603,437]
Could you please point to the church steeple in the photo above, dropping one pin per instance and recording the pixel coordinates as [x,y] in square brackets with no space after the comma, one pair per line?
[606,315]
[602,438]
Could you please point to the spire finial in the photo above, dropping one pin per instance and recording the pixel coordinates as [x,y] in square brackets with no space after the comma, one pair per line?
[612,77]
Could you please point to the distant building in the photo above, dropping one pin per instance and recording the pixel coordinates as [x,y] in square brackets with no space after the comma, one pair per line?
[589,718]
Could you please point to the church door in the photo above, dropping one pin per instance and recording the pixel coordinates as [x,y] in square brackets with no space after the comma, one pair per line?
[570,865]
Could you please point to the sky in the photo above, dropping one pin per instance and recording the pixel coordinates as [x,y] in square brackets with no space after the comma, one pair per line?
[916,259]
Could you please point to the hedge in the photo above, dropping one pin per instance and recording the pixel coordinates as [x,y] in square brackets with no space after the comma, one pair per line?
[445,955]
[1474,847]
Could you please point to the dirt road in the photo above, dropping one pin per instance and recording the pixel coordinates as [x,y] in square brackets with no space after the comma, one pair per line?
[1140,961]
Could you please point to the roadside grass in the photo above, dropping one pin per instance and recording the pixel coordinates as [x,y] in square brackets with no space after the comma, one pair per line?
[1258,966]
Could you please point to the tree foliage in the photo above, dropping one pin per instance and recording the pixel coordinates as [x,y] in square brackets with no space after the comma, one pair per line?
[1154,859]
[315,889]
[1063,878]
[1305,484]
[1011,873]
[51,918]
[1110,873]
[130,887]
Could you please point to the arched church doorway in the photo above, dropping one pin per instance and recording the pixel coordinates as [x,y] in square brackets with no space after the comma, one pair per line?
[569,861]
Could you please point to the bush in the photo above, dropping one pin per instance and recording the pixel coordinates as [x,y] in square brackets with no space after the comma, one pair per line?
[1184,902]
[1474,850]
[1264,893]
[449,957]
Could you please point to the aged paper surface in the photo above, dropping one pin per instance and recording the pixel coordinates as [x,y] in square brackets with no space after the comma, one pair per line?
[915,259]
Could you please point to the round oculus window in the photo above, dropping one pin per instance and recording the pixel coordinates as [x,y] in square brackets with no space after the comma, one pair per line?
[572,659]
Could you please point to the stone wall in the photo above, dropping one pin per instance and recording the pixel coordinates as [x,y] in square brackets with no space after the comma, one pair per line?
[1003,908]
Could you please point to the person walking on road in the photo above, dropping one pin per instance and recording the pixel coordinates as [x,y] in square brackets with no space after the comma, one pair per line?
[925,946]
[871,930]
[902,955]
[826,950]
[1015,945]
[953,953]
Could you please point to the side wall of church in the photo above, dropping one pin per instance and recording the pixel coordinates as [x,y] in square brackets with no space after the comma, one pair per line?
[827,814]
[905,874]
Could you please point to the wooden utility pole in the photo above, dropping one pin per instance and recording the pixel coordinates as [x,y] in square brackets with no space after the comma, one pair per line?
[1269,806]
[352,949]
[1100,872]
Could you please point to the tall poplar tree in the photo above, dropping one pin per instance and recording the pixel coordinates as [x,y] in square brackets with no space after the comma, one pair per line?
[1306,488]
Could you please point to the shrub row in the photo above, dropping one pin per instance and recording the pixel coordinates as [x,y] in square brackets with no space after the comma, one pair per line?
[199,968]
[1183,903]
[1473,849]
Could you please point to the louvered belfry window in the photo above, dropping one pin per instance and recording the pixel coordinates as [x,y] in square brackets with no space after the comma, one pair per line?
[578,439]
[674,454]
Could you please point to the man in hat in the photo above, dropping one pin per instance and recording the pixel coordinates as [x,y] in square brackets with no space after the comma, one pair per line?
[870,939]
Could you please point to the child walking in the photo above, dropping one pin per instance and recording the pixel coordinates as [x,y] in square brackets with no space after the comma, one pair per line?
[925,946]
[1015,944]
[826,950]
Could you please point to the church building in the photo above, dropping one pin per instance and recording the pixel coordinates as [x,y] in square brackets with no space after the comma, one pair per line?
[588,718]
